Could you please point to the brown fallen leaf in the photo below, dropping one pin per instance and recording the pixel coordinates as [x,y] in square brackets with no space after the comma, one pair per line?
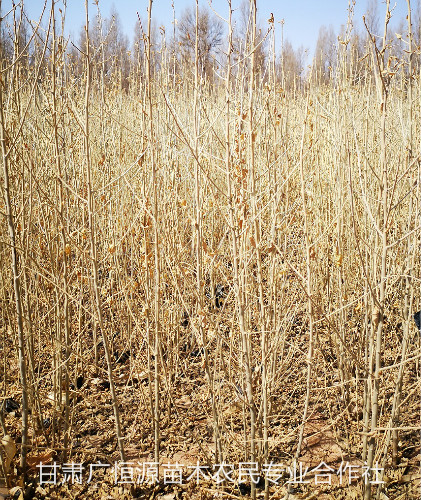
[45,457]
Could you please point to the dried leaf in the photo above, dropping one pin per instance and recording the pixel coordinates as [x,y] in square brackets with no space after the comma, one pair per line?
[9,449]
[183,402]
[45,457]
[339,259]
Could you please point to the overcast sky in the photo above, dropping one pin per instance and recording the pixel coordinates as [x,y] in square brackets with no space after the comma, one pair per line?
[303,18]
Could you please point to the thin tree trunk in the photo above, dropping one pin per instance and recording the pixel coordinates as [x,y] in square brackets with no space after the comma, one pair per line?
[16,277]
[91,217]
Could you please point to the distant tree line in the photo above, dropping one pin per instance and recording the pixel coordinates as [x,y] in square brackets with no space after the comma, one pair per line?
[351,46]
[117,61]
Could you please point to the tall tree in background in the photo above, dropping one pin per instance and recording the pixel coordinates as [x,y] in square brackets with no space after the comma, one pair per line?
[210,32]
[356,60]
[241,40]
[291,64]
[109,47]
[325,54]
[116,48]
[372,17]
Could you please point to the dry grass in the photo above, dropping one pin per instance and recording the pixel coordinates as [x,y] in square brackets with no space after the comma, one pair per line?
[334,133]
